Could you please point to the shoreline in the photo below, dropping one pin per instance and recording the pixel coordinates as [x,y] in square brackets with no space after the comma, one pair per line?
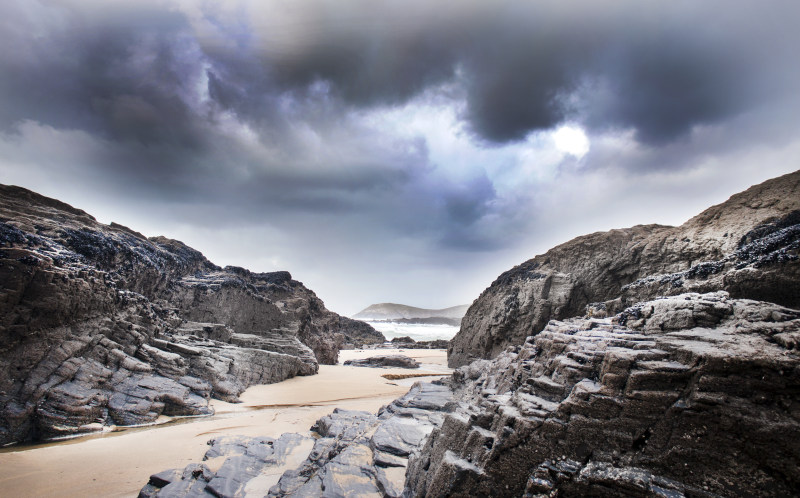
[120,463]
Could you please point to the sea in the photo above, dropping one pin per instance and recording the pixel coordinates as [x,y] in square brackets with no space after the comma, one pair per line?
[416,331]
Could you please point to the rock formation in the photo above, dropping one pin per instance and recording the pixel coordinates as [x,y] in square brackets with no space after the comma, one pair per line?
[691,395]
[100,325]
[747,246]
[393,361]
[355,454]
[597,388]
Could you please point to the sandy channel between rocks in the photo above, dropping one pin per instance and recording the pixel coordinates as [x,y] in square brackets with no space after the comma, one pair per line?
[119,464]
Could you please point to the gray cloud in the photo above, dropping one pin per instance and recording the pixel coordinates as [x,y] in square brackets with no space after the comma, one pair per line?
[269,113]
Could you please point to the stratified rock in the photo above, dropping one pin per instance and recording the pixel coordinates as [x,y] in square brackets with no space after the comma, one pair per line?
[747,246]
[394,360]
[691,395]
[355,454]
[100,325]
[251,466]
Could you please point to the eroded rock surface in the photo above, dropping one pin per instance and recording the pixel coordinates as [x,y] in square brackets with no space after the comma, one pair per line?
[393,360]
[747,246]
[691,395]
[100,325]
[355,454]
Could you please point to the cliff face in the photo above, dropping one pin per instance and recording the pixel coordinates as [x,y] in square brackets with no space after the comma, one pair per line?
[100,325]
[747,246]
[692,395]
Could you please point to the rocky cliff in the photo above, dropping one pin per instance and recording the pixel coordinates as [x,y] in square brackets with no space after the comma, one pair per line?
[747,246]
[100,325]
[692,395]
[695,395]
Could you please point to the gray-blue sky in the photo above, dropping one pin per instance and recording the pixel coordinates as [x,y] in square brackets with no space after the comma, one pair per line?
[394,150]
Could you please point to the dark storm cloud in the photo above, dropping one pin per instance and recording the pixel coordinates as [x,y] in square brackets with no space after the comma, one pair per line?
[657,69]
[255,105]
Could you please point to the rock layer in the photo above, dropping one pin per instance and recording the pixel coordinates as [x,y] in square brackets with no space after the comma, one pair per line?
[354,454]
[747,246]
[100,325]
[691,395]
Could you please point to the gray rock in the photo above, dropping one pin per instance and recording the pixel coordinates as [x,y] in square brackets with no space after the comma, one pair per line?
[251,466]
[355,454]
[390,361]
[694,394]
[747,246]
[100,325]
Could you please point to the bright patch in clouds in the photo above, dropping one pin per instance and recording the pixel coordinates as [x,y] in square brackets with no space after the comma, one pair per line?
[571,140]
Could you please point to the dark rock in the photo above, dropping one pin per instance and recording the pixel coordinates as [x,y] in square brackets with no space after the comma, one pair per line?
[697,395]
[748,246]
[100,325]
[389,361]
[403,340]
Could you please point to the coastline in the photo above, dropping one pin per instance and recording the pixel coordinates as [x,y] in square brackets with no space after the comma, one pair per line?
[120,463]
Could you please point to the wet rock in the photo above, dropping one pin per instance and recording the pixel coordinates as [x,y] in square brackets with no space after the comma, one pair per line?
[393,361]
[695,395]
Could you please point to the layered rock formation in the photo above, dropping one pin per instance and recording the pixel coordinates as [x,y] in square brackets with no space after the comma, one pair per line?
[354,454]
[100,325]
[692,395]
[747,246]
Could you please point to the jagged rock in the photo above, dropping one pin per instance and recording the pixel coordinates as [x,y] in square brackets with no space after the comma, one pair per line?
[251,466]
[393,361]
[747,246]
[100,325]
[691,395]
[356,454]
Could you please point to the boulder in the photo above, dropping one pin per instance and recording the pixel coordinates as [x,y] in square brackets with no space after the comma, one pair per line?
[388,361]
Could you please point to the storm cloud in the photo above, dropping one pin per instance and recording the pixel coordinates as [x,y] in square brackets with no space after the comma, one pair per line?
[400,133]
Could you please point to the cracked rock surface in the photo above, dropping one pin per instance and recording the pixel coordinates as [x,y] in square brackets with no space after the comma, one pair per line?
[355,453]
[100,325]
[747,246]
[690,395]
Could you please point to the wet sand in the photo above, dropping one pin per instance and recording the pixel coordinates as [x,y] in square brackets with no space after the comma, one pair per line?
[119,464]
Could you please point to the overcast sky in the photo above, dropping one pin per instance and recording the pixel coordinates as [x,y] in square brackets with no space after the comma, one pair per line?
[405,151]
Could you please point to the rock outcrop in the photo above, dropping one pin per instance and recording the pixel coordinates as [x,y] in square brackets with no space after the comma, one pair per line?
[387,361]
[691,395]
[100,325]
[354,454]
[747,246]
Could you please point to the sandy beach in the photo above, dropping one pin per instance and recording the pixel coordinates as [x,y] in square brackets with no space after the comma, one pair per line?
[120,463]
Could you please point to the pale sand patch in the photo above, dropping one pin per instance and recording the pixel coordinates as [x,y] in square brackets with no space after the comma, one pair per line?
[120,464]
